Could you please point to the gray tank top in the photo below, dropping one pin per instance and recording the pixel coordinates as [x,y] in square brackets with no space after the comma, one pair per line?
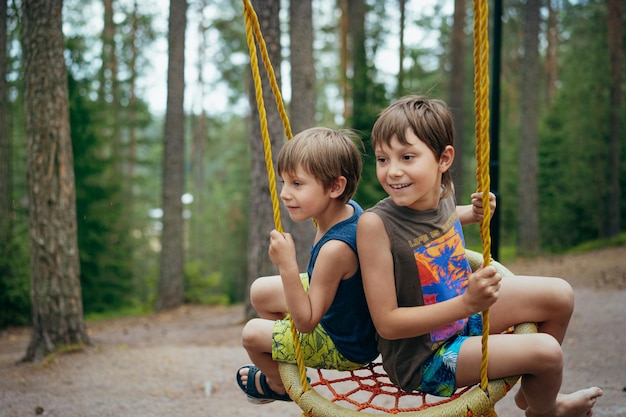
[429,267]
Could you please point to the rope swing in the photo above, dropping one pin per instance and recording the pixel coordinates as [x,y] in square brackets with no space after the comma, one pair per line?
[370,382]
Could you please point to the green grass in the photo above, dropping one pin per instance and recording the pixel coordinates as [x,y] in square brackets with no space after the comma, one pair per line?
[134,311]
[618,240]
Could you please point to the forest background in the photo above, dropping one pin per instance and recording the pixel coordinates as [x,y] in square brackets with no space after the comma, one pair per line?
[174,207]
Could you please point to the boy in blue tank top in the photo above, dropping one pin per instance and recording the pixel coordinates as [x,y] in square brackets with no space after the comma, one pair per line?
[319,170]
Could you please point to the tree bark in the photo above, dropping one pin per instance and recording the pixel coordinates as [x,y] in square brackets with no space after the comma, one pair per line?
[615,12]
[170,289]
[528,220]
[303,102]
[401,49]
[199,142]
[552,53]
[261,213]
[456,93]
[131,161]
[55,269]
[344,59]
[109,93]
[357,52]
[5,143]
[302,105]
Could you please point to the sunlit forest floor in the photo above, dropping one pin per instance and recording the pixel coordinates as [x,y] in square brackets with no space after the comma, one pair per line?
[183,363]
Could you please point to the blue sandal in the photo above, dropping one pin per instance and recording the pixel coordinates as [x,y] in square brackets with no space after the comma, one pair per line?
[254,396]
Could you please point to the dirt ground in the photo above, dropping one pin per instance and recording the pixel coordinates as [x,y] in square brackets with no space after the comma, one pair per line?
[184,362]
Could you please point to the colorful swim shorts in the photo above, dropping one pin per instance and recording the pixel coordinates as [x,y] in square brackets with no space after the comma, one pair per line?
[439,370]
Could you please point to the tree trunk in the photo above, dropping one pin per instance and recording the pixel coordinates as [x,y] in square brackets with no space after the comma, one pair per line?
[303,102]
[170,289]
[344,59]
[261,213]
[198,227]
[132,110]
[401,49]
[552,53]
[5,143]
[109,93]
[358,54]
[615,12]
[55,269]
[528,220]
[302,105]
[456,93]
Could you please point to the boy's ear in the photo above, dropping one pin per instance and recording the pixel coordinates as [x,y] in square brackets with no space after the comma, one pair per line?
[338,186]
[446,159]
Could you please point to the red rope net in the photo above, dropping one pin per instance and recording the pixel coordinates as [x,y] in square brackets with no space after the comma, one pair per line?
[369,388]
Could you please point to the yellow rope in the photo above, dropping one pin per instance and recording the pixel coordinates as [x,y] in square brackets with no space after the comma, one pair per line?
[481,108]
[252,24]
[481,85]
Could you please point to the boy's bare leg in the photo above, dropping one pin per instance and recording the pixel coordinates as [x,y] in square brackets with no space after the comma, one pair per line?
[267,297]
[549,302]
[257,340]
[539,359]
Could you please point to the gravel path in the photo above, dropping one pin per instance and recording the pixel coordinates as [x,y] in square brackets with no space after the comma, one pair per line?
[183,362]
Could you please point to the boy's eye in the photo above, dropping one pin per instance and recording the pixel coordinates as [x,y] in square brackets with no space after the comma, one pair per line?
[381,159]
[407,157]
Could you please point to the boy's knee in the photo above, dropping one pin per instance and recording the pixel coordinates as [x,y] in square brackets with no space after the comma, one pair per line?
[564,295]
[549,353]
[258,293]
[254,293]
[251,334]
[263,290]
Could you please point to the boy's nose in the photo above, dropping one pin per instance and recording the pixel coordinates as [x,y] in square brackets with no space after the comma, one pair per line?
[394,170]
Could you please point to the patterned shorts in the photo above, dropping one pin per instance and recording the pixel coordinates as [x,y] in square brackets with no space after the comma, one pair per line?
[439,370]
[318,349]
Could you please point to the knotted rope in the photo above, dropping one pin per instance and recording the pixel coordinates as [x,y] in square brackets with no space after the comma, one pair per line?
[252,25]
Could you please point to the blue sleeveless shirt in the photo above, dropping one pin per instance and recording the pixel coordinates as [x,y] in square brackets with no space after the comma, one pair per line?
[348,321]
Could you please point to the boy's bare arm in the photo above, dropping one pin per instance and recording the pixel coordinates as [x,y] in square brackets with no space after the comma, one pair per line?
[473,213]
[336,261]
[394,322]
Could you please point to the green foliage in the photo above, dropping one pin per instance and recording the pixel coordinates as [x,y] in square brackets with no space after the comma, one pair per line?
[619,240]
[119,242]
[369,99]
[15,305]
[218,224]
[231,56]
[15,280]
[136,310]
[103,244]
[201,288]
[574,149]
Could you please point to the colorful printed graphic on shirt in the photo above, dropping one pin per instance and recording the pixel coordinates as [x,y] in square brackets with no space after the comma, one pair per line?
[443,270]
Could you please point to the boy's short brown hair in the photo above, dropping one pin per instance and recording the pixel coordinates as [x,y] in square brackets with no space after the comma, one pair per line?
[326,154]
[429,119]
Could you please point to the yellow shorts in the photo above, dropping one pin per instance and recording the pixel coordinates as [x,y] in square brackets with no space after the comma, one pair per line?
[318,349]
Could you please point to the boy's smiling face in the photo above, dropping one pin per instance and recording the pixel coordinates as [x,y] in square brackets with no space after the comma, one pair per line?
[410,173]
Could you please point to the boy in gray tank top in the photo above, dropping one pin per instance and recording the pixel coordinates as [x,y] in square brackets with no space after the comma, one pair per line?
[423,297]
